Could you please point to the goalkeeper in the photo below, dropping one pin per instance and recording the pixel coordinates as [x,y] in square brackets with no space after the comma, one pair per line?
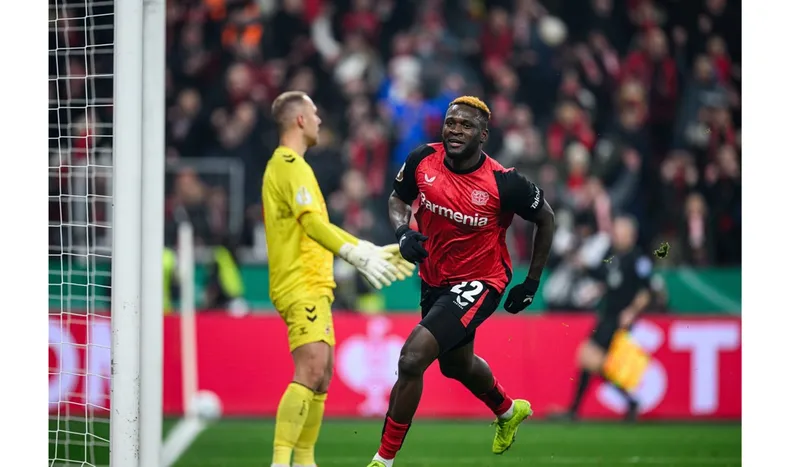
[301,243]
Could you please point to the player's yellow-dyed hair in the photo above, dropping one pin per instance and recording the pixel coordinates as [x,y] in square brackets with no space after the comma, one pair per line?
[475,103]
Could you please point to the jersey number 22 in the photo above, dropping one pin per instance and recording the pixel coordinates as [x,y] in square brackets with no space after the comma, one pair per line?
[468,296]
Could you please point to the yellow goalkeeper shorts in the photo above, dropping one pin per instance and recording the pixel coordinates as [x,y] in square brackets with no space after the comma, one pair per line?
[309,320]
[626,362]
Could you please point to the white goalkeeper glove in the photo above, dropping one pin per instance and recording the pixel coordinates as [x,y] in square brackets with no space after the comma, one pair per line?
[370,263]
[391,253]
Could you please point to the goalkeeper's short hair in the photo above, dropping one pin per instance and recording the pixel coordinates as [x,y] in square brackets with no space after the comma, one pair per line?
[283,106]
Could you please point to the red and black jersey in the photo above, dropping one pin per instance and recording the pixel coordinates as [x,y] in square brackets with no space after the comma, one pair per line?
[465,215]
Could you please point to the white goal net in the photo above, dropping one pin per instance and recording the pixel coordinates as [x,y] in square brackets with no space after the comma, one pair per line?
[81,45]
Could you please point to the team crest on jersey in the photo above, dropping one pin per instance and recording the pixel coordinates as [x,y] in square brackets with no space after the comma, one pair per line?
[399,176]
[480,198]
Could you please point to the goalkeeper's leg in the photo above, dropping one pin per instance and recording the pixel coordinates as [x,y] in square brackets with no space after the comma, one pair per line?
[304,449]
[300,410]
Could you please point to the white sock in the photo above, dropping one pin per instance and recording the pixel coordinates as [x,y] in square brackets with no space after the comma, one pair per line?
[508,413]
[279,465]
[388,462]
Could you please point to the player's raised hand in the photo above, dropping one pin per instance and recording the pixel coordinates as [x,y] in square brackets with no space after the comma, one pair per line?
[521,295]
[370,263]
[410,242]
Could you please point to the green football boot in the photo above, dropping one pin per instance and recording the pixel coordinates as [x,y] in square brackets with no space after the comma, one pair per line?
[506,431]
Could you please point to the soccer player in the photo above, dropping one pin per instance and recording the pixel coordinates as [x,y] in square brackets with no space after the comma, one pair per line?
[626,273]
[466,202]
[301,243]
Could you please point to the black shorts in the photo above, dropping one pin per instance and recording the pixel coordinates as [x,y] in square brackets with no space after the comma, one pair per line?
[604,331]
[453,313]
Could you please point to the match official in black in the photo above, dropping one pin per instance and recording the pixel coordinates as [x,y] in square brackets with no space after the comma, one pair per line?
[626,274]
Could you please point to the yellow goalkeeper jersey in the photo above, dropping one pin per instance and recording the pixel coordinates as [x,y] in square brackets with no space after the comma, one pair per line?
[299,267]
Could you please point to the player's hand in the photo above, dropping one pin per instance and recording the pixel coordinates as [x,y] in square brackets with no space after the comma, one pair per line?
[392,255]
[521,295]
[626,318]
[410,242]
[370,263]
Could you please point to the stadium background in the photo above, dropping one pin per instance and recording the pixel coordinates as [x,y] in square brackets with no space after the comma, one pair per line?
[611,106]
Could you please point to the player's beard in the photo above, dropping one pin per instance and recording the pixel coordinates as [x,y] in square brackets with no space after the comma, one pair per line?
[469,149]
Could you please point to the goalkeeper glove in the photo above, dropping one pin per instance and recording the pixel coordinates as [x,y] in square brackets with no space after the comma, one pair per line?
[370,263]
[521,295]
[410,242]
[391,254]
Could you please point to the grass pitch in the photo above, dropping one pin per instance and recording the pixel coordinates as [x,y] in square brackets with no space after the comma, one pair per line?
[351,443]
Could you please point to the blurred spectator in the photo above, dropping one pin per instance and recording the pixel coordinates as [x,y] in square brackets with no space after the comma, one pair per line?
[187,203]
[571,124]
[703,86]
[497,41]
[188,128]
[679,177]
[724,181]
[576,250]
[657,71]
[696,232]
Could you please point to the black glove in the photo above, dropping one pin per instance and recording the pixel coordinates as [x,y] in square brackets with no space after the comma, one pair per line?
[521,295]
[411,248]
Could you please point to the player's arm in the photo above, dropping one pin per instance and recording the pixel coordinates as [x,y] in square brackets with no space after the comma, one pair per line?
[520,196]
[369,261]
[545,221]
[643,273]
[640,301]
[403,195]
[346,236]
[323,232]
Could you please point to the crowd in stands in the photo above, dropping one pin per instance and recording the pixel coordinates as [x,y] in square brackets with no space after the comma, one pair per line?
[610,106]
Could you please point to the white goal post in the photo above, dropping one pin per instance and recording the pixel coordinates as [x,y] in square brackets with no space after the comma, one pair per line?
[138,229]
[106,176]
